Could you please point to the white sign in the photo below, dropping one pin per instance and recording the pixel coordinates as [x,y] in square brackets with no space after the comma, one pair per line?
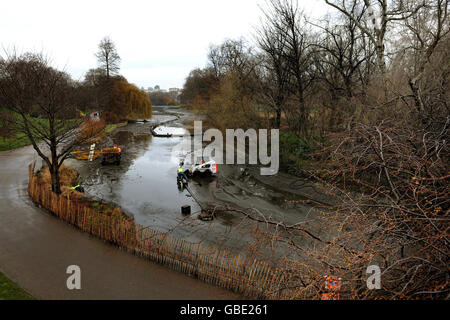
[91,153]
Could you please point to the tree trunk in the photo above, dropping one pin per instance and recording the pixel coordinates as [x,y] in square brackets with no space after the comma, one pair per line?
[302,125]
[380,59]
[278,119]
[56,184]
[417,96]
[107,67]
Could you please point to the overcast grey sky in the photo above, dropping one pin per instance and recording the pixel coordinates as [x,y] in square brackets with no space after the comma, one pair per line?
[159,42]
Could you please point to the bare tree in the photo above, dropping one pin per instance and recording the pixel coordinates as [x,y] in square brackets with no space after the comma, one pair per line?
[276,79]
[380,17]
[285,18]
[344,51]
[232,56]
[200,83]
[29,84]
[426,31]
[95,77]
[108,57]
[390,209]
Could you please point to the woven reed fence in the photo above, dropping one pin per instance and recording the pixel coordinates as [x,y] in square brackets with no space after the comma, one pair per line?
[250,277]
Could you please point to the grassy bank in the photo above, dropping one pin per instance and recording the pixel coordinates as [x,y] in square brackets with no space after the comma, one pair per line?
[11,291]
[10,139]
[111,127]
[68,177]
[17,141]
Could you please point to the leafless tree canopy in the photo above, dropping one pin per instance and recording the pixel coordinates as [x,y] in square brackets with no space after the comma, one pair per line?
[108,58]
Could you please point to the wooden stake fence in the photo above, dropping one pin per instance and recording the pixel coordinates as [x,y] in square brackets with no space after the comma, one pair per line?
[252,278]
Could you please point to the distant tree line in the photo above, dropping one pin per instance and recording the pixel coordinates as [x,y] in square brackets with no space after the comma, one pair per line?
[159,98]
[313,77]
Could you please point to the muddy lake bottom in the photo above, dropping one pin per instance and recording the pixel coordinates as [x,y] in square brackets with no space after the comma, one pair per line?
[144,186]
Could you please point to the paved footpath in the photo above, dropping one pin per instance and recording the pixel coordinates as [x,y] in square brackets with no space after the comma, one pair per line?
[36,248]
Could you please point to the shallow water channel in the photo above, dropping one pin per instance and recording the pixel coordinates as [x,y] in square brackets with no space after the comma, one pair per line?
[144,185]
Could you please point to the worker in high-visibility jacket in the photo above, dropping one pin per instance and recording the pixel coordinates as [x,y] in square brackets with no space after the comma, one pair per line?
[181,173]
[78,188]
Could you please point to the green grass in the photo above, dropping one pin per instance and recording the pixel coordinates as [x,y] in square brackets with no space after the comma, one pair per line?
[111,127]
[18,141]
[11,291]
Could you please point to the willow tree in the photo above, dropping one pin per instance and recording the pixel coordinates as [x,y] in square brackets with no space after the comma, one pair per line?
[129,102]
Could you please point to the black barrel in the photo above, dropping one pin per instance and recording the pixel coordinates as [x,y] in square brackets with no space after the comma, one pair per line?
[186,210]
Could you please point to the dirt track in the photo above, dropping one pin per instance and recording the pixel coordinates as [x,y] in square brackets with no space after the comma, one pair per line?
[36,248]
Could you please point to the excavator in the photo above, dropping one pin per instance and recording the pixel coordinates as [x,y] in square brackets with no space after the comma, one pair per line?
[112,154]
